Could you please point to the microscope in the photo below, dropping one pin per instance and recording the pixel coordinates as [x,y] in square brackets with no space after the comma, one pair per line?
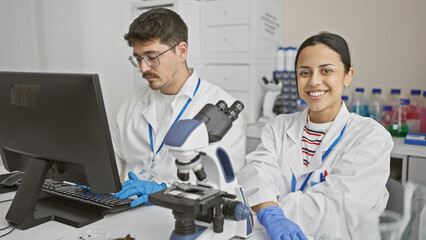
[215,207]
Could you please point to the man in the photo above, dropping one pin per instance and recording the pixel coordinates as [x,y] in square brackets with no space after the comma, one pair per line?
[159,39]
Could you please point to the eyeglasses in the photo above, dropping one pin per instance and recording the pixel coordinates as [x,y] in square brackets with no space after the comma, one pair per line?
[152,59]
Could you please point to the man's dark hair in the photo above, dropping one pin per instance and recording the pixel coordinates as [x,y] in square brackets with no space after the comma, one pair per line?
[158,23]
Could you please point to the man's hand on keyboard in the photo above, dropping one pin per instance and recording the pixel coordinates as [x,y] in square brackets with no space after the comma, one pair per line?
[82,186]
[141,188]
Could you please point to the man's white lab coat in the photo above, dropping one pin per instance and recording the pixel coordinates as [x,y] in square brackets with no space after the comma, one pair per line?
[132,142]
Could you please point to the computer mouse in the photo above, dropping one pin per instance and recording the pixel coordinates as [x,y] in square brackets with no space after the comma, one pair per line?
[13,180]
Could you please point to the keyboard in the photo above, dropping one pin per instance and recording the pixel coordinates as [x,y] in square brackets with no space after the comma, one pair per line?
[70,191]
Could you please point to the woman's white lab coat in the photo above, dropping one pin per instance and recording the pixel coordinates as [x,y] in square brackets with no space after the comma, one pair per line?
[359,166]
[131,138]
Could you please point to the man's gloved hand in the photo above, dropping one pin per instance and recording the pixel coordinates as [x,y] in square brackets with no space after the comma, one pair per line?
[141,188]
[278,226]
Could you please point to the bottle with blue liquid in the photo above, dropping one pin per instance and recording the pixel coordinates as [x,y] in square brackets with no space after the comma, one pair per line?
[376,105]
[359,104]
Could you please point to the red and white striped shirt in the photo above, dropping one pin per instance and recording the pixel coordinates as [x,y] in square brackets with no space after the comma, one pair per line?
[313,133]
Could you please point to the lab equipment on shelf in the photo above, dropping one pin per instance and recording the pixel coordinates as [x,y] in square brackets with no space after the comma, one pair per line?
[280,59]
[414,120]
[376,105]
[387,116]
[273,89]
[290,58]
[398,126]
[423,114]
[359,103]
[214,207]
[394,98]
[286,101]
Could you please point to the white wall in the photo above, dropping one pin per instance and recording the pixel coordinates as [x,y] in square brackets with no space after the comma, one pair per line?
[84,36]
[387,38]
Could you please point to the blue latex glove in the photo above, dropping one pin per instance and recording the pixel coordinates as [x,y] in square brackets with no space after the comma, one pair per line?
[278,226]
[141,188]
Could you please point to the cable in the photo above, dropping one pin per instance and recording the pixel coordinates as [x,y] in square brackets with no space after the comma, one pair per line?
[4,228]
[1,229]
[7,232]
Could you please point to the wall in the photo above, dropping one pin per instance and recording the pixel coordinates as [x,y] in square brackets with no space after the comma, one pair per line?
[84,36]
[387,38]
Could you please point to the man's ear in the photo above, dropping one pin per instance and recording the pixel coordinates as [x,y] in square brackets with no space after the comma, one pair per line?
[182,51]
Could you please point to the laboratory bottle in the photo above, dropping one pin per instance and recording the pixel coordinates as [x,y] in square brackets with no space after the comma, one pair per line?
[387,116]
[423,114]
[413,116]
[416,98]
[398,126]
[290,57]
[345,99]
[394,98]
[358,103]
[280,60]
[376,105]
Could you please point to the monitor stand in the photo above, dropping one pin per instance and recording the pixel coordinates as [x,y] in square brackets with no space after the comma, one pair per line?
[31,207]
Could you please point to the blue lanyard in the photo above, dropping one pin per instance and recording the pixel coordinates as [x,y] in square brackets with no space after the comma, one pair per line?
[177,119]
[293,180]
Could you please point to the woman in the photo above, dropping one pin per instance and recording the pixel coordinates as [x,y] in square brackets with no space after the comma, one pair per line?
[306,155]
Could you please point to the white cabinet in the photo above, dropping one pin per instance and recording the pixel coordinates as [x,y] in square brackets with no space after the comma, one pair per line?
[232,43]
[239,39]
[416,169]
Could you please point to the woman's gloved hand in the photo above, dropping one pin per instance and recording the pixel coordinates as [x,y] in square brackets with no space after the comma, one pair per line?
[278,226]
[141,188]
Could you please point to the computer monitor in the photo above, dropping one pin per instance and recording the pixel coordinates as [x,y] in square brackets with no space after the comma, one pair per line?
[54,125]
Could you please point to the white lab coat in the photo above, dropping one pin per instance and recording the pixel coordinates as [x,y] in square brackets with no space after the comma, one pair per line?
[359,165]
[131,139]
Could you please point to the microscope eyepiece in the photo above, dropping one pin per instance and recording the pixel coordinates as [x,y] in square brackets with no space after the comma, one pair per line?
[233,111]
[221,105]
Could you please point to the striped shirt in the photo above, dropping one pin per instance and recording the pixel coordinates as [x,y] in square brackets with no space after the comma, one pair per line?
[313,133]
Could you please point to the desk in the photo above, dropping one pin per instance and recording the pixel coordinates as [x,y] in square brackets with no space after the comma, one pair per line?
[151,222]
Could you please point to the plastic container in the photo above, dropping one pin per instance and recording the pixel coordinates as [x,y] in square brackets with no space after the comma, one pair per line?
[386,116]
[290,58]
[359,103]
[280,59]
[395,98]
[422,115]
[414,120]
[416,97]
[376,105]
[398,126]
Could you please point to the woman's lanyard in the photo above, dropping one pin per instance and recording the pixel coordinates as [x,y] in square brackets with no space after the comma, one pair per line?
[293,180]
[177,119]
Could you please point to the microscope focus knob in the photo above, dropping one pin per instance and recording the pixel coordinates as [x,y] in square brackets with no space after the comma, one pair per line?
[235,210]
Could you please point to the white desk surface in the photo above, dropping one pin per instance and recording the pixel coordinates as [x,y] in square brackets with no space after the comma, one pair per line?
[151,222]
[400,148]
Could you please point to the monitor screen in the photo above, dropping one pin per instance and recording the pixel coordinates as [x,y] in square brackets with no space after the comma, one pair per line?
[54,125]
